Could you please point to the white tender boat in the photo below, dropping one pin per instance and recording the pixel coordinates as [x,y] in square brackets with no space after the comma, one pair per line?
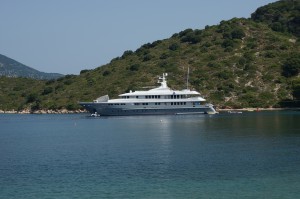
[158,101]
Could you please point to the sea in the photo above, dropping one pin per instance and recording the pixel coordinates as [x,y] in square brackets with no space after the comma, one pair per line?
[248,155]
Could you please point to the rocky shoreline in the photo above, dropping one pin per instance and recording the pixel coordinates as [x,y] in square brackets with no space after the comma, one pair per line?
[65,111]
[27,111]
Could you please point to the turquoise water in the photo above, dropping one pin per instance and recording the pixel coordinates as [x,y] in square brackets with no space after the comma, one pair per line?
[249,155]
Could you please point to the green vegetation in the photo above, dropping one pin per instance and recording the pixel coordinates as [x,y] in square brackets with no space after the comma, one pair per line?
[238,63]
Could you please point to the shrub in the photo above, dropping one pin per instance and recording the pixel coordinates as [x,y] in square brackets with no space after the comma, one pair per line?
[105,73]
[237,34]
[50,81]
[174,46]
[84,71]
[127,53]
[227,43]
[291,66]
[134,67]
[32,97]
[47,91]
[147,57]
[71,107]
[164,56]
[185,32]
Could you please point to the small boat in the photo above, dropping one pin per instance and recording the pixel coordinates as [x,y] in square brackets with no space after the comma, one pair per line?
[157,101]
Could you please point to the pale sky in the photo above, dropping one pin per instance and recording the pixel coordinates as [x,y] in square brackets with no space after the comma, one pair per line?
[67,36]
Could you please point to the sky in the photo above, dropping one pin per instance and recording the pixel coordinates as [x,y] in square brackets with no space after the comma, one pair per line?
[67,36]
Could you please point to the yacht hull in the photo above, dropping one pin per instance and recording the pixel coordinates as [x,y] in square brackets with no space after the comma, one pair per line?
[103,110]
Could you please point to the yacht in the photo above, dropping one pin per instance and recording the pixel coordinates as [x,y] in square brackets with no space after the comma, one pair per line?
[157,101]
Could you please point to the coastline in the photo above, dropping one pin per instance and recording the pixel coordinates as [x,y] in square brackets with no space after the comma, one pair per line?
[257,109]
[65,111]
[43,111]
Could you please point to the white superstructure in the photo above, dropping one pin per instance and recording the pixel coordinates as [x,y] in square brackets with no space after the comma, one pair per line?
[160,100]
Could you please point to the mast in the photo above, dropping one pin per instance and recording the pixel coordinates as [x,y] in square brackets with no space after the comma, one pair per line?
[187,78]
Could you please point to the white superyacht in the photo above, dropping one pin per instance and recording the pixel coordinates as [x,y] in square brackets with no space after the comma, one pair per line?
[158,101]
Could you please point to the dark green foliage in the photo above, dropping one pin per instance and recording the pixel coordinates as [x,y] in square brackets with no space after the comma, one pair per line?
[84,71]
[32,97]
[127,53]
[281,16]
[134,67]
[224,74]
[174,46]
[147,57]
[105,73]
[296,89]
[291,66]
[72,106]
[68,82]
[185,32]
[50,82]
[237,33]
[277,26]
[192,37]
[228,43]
[47,91]
[164,56]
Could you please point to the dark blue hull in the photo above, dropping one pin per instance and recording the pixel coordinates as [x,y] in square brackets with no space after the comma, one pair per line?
[111,111]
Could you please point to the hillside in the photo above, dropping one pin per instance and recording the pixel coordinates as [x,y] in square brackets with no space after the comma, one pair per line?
[238,63]
[12,68]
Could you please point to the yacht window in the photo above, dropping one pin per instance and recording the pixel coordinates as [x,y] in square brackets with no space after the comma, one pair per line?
[146,97]
[137,96]
[158,96]
[171,96]
[171,103]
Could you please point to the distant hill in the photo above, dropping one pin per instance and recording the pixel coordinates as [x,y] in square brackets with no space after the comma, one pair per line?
[237,63]
[12,68]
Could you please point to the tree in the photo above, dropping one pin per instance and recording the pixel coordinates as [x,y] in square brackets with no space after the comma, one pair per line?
[237,34]
[291,66]
[174,46]
[296,89]
[134,67]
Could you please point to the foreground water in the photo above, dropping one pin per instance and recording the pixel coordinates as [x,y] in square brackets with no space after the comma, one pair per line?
[251,155]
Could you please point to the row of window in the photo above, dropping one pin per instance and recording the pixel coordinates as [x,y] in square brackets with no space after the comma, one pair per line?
[178,103]
[151,96]
[156,103]
[158,97]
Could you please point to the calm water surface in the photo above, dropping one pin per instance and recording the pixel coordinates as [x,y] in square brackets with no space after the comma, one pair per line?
[249,155]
